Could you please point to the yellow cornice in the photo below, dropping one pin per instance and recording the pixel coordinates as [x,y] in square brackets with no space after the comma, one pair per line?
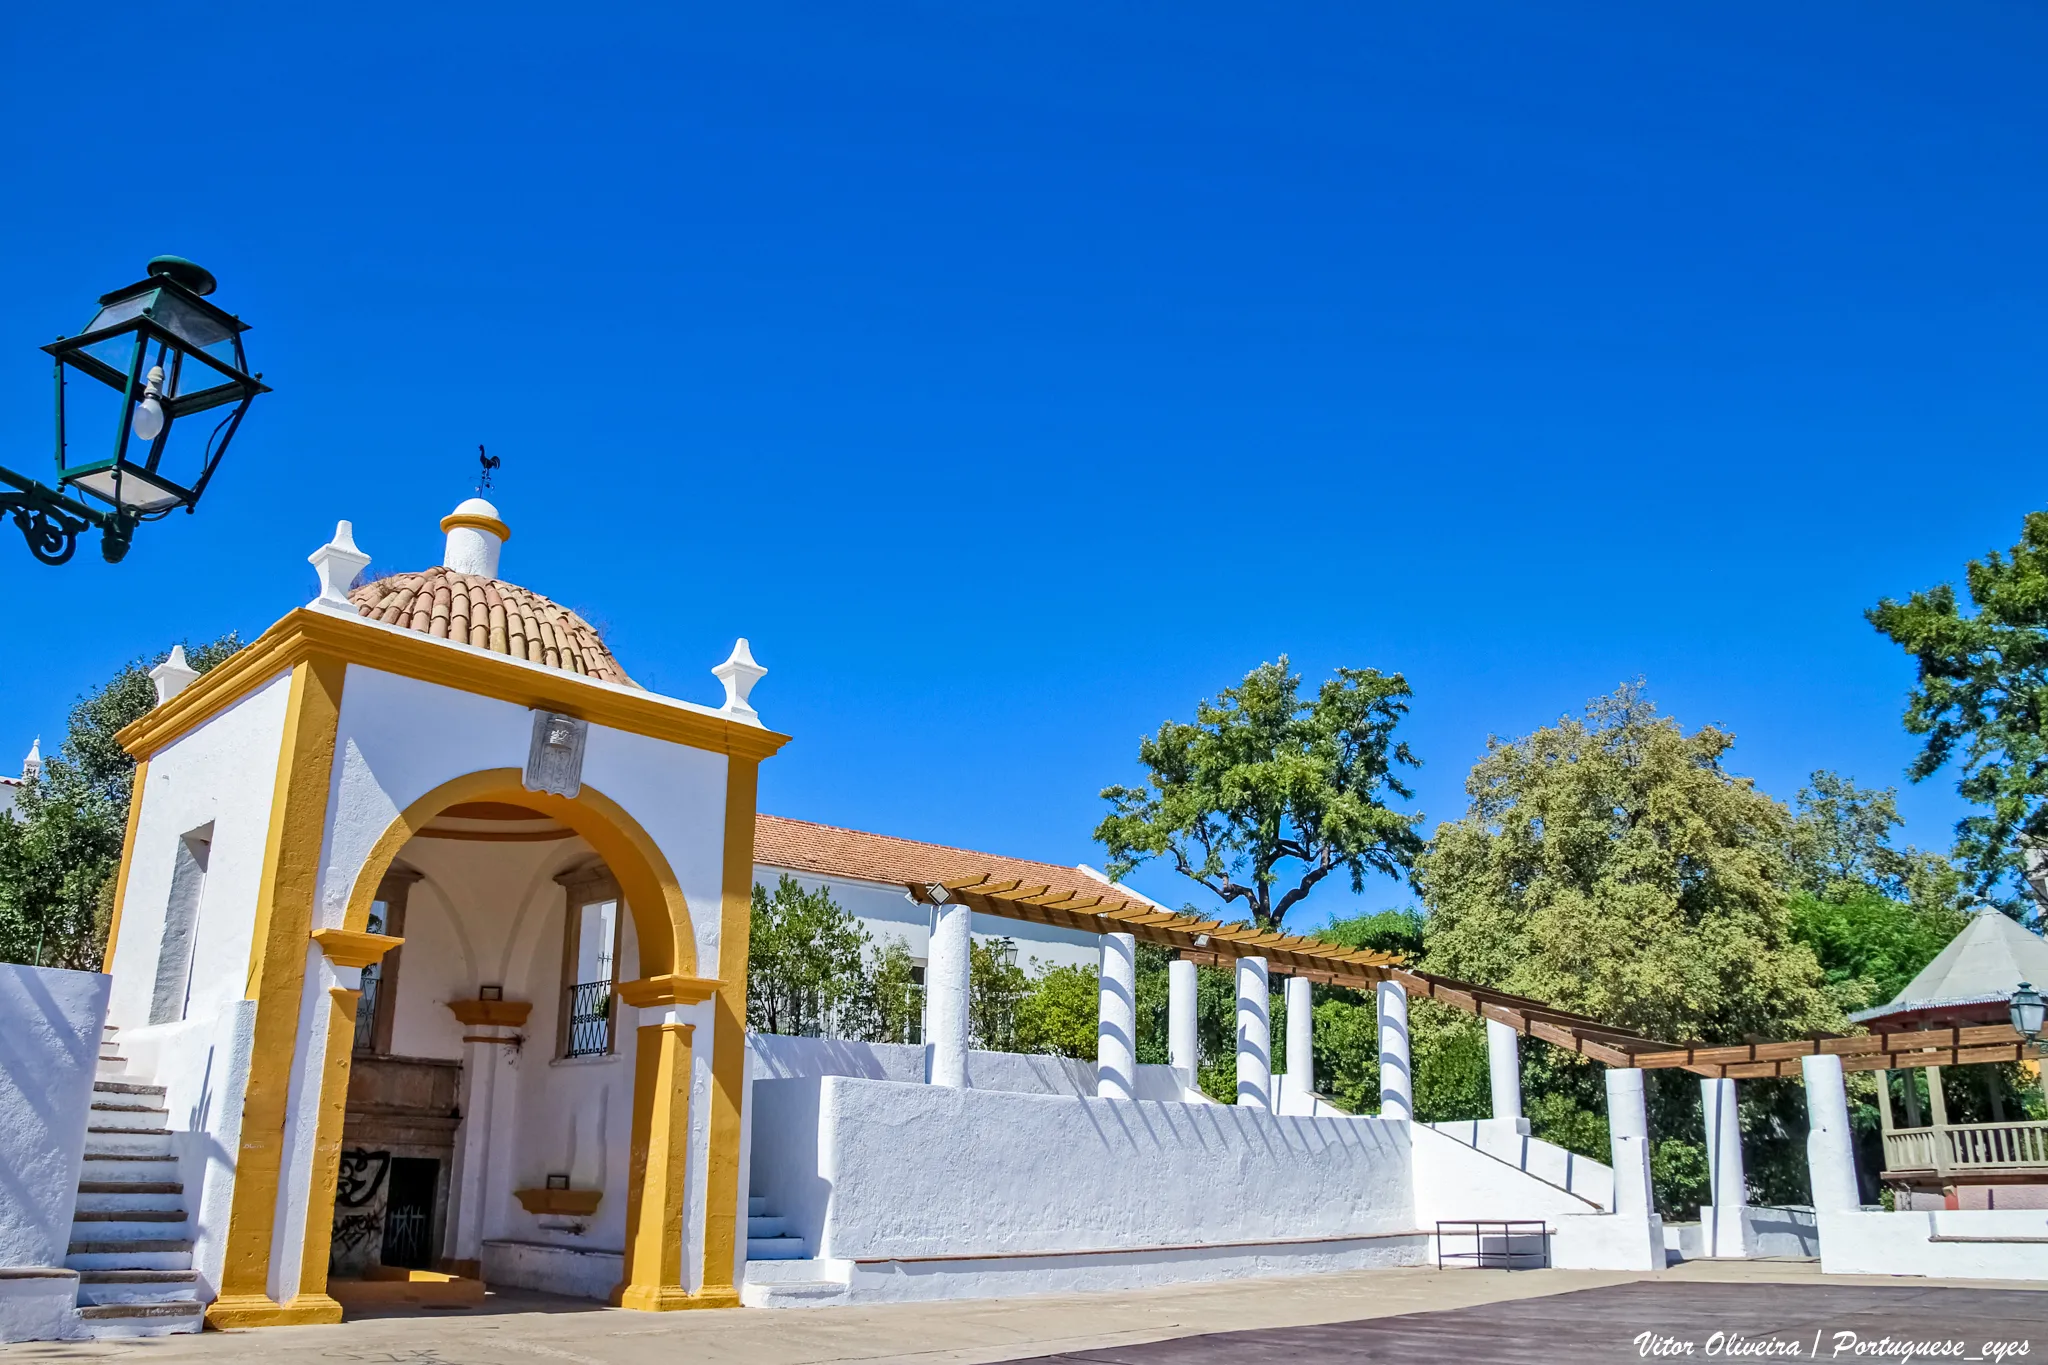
[479,521]
[667,990]
[307,633]
[351,948]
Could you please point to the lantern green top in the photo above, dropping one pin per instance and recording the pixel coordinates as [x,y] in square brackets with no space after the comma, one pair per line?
[190,274]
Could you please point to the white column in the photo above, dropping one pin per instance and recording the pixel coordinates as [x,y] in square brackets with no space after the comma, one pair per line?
[1728,1232]
[946,968]
[1116,1024]
[1301,1047]
[1397,1083]
[1181,1048]
[1628,1141]
[1504,1069]
[1254,1034]
[1830,1155]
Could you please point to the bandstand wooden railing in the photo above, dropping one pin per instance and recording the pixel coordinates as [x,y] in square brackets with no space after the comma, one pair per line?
[1968,1148]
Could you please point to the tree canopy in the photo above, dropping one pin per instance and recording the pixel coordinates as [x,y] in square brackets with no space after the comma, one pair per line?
[1609,864]
[1266,794]
[61,844]
[1982,703]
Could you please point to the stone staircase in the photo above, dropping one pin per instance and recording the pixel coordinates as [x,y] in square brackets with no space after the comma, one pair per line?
[768,1235]
[131,1239]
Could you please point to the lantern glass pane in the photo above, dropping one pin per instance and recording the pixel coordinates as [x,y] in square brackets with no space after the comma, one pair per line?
[115,352]
[195,327]
[139,492]
[121,310]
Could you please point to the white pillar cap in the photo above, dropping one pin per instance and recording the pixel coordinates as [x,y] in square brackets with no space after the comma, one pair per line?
[739,673]
[173,675]
[338,562]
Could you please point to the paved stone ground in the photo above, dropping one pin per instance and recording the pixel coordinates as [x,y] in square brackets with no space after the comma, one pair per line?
[1441,1316]
[1645,1321]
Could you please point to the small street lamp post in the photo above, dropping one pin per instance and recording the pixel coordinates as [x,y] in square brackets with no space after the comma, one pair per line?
[169,355]
[2028,1011]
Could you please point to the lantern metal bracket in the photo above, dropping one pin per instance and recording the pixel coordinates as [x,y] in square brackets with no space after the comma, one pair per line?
[52,523]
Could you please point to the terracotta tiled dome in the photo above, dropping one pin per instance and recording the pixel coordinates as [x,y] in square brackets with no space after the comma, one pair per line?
[490,614]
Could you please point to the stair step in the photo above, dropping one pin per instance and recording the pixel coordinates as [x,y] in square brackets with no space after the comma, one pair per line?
[104,1140]
[131,1118]
[757,1205]
[128,1088]
[776,1249]
[127,1203]
[131,1187]
[167,1318]
[108,1287]
[164,1255]
[760,1226]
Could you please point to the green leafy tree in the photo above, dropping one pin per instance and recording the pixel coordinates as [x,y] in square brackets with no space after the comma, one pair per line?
[996,986]
[1266,794]
[1611,865]
[1982,703]
[1058,1015]
[805,959]
[60,847]
[886,1005]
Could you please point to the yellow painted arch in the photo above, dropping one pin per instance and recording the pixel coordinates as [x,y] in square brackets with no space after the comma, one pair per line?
[661,915]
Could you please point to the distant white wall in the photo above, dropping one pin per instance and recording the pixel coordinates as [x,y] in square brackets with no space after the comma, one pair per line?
[49,1049]
[889,915]
[875,1169]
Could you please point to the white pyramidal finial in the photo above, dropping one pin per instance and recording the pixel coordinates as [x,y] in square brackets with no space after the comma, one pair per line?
[338,562]
[173,675]
[739,674]
[475,538]
[32,766]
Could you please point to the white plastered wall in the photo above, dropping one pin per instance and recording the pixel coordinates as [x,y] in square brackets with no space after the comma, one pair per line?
[398,739]
[221,774]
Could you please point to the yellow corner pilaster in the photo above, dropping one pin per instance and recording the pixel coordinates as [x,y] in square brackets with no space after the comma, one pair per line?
[722,1193]
[277,970]
[658,1168]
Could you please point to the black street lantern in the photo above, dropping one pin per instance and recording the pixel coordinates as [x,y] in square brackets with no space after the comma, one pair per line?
[169,355]
[2028,1011]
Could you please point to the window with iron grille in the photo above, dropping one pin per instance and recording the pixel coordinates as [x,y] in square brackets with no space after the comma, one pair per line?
[590,957]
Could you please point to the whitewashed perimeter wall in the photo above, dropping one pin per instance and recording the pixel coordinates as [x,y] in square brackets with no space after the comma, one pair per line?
[1963,1244]
[775,1056]
[49,1048]
[875,1169]
[397,740]
[889,915]
[224,773]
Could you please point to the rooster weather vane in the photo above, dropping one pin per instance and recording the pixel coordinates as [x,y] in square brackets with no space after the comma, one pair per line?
[486,463]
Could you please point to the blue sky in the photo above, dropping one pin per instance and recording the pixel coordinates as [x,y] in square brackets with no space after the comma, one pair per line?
[1015,375]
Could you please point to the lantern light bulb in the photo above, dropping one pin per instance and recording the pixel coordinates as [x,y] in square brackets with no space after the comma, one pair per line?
[149,414]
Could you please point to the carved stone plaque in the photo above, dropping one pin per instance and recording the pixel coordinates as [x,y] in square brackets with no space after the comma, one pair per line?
[554,761]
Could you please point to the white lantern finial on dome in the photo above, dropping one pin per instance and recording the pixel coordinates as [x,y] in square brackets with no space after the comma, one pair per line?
[739,674]
[475,538]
